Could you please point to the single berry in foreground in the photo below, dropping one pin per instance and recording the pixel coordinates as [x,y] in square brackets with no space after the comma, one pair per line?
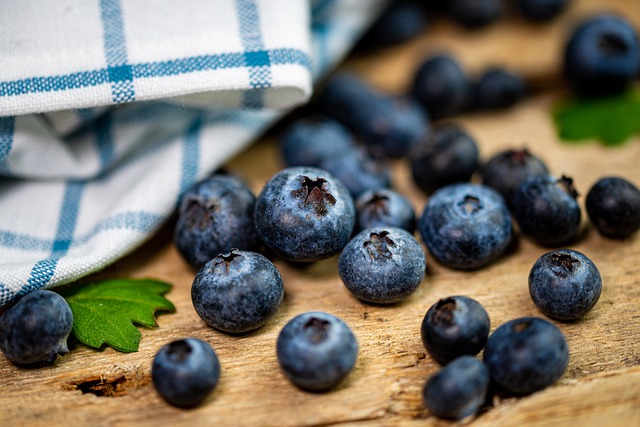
[36,328]
[453,327]
[215,215]
[613,206]
[185,372]
[382,265]
[304,214]
[526,355]
[237,291]
[465,226]
[384,208]
[316,351]
[446,156]
[564,284]
[458,390]
[547,210]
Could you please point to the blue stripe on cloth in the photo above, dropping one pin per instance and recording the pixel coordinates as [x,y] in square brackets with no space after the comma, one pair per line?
[321,27]
[7,127]
[190,155]
[104,139]
[255,57]
[5,294]
[85,79]
[119,71]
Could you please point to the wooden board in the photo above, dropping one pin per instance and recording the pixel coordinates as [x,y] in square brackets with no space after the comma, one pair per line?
[600,387]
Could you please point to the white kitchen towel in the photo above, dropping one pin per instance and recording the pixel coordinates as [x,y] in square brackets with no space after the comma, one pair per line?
[81,188]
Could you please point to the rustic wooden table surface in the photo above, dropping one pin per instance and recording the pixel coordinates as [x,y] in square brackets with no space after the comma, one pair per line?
[600,387]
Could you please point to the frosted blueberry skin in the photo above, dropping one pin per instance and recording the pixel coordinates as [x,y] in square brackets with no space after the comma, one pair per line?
[185,372]
[36,328]
[312,140]
[359,171]
[316,351]
[448,155]
[565,284]
[441,87]
[465,226]
[475,13]
[547,210]
[526,355]
[506,170]
[458,390]
[304,214]
[384,208]
[613,206]
[454,327]
[602,56]
[215,215]
[237,291]
[541,10]
[498,89]
[382,265]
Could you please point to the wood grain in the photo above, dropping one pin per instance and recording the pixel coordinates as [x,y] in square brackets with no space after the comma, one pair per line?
[601,385]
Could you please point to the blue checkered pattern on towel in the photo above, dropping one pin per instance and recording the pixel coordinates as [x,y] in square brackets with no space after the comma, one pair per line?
[83,187]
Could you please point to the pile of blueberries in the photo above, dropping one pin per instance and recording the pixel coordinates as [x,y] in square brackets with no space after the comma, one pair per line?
[335,198]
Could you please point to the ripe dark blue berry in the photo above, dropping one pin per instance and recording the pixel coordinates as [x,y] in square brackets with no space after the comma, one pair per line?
[564,284]
[237,291]
[382,265]
[541,10]
[475,13]
[215,215]
[505,171]
[36,328]
[602,56]
[526,355]
[458,390]
[441,87]
[185,372]
[384,208]
[547,210]
[454,327]
[359,171]
[316,351]
[304,214]
[312,140]
[613,206]
[448,155]
[465,226]
[402,20]
[498,89]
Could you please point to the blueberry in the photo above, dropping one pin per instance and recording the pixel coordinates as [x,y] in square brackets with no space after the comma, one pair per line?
[541,10]
[454,327]
[458,390]
[505,171]
[382,265]
[465,226]
[215,215]
[312,140]
[441,87]
[305,214]
[393,125]
[447,156]
[602,56]
[185,372]
[526,355]
[613,206]
[359,171]
[546,209]
[237,291]
[475,13]
[401,21]
[384,208]
[498,89]
[36,328]
[564,284]
[316,351]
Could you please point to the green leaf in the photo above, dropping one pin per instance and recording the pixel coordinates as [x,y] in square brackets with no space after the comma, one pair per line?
[105,312]
[612,119]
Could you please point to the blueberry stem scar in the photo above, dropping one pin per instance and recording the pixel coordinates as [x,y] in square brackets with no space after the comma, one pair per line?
[313,193]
